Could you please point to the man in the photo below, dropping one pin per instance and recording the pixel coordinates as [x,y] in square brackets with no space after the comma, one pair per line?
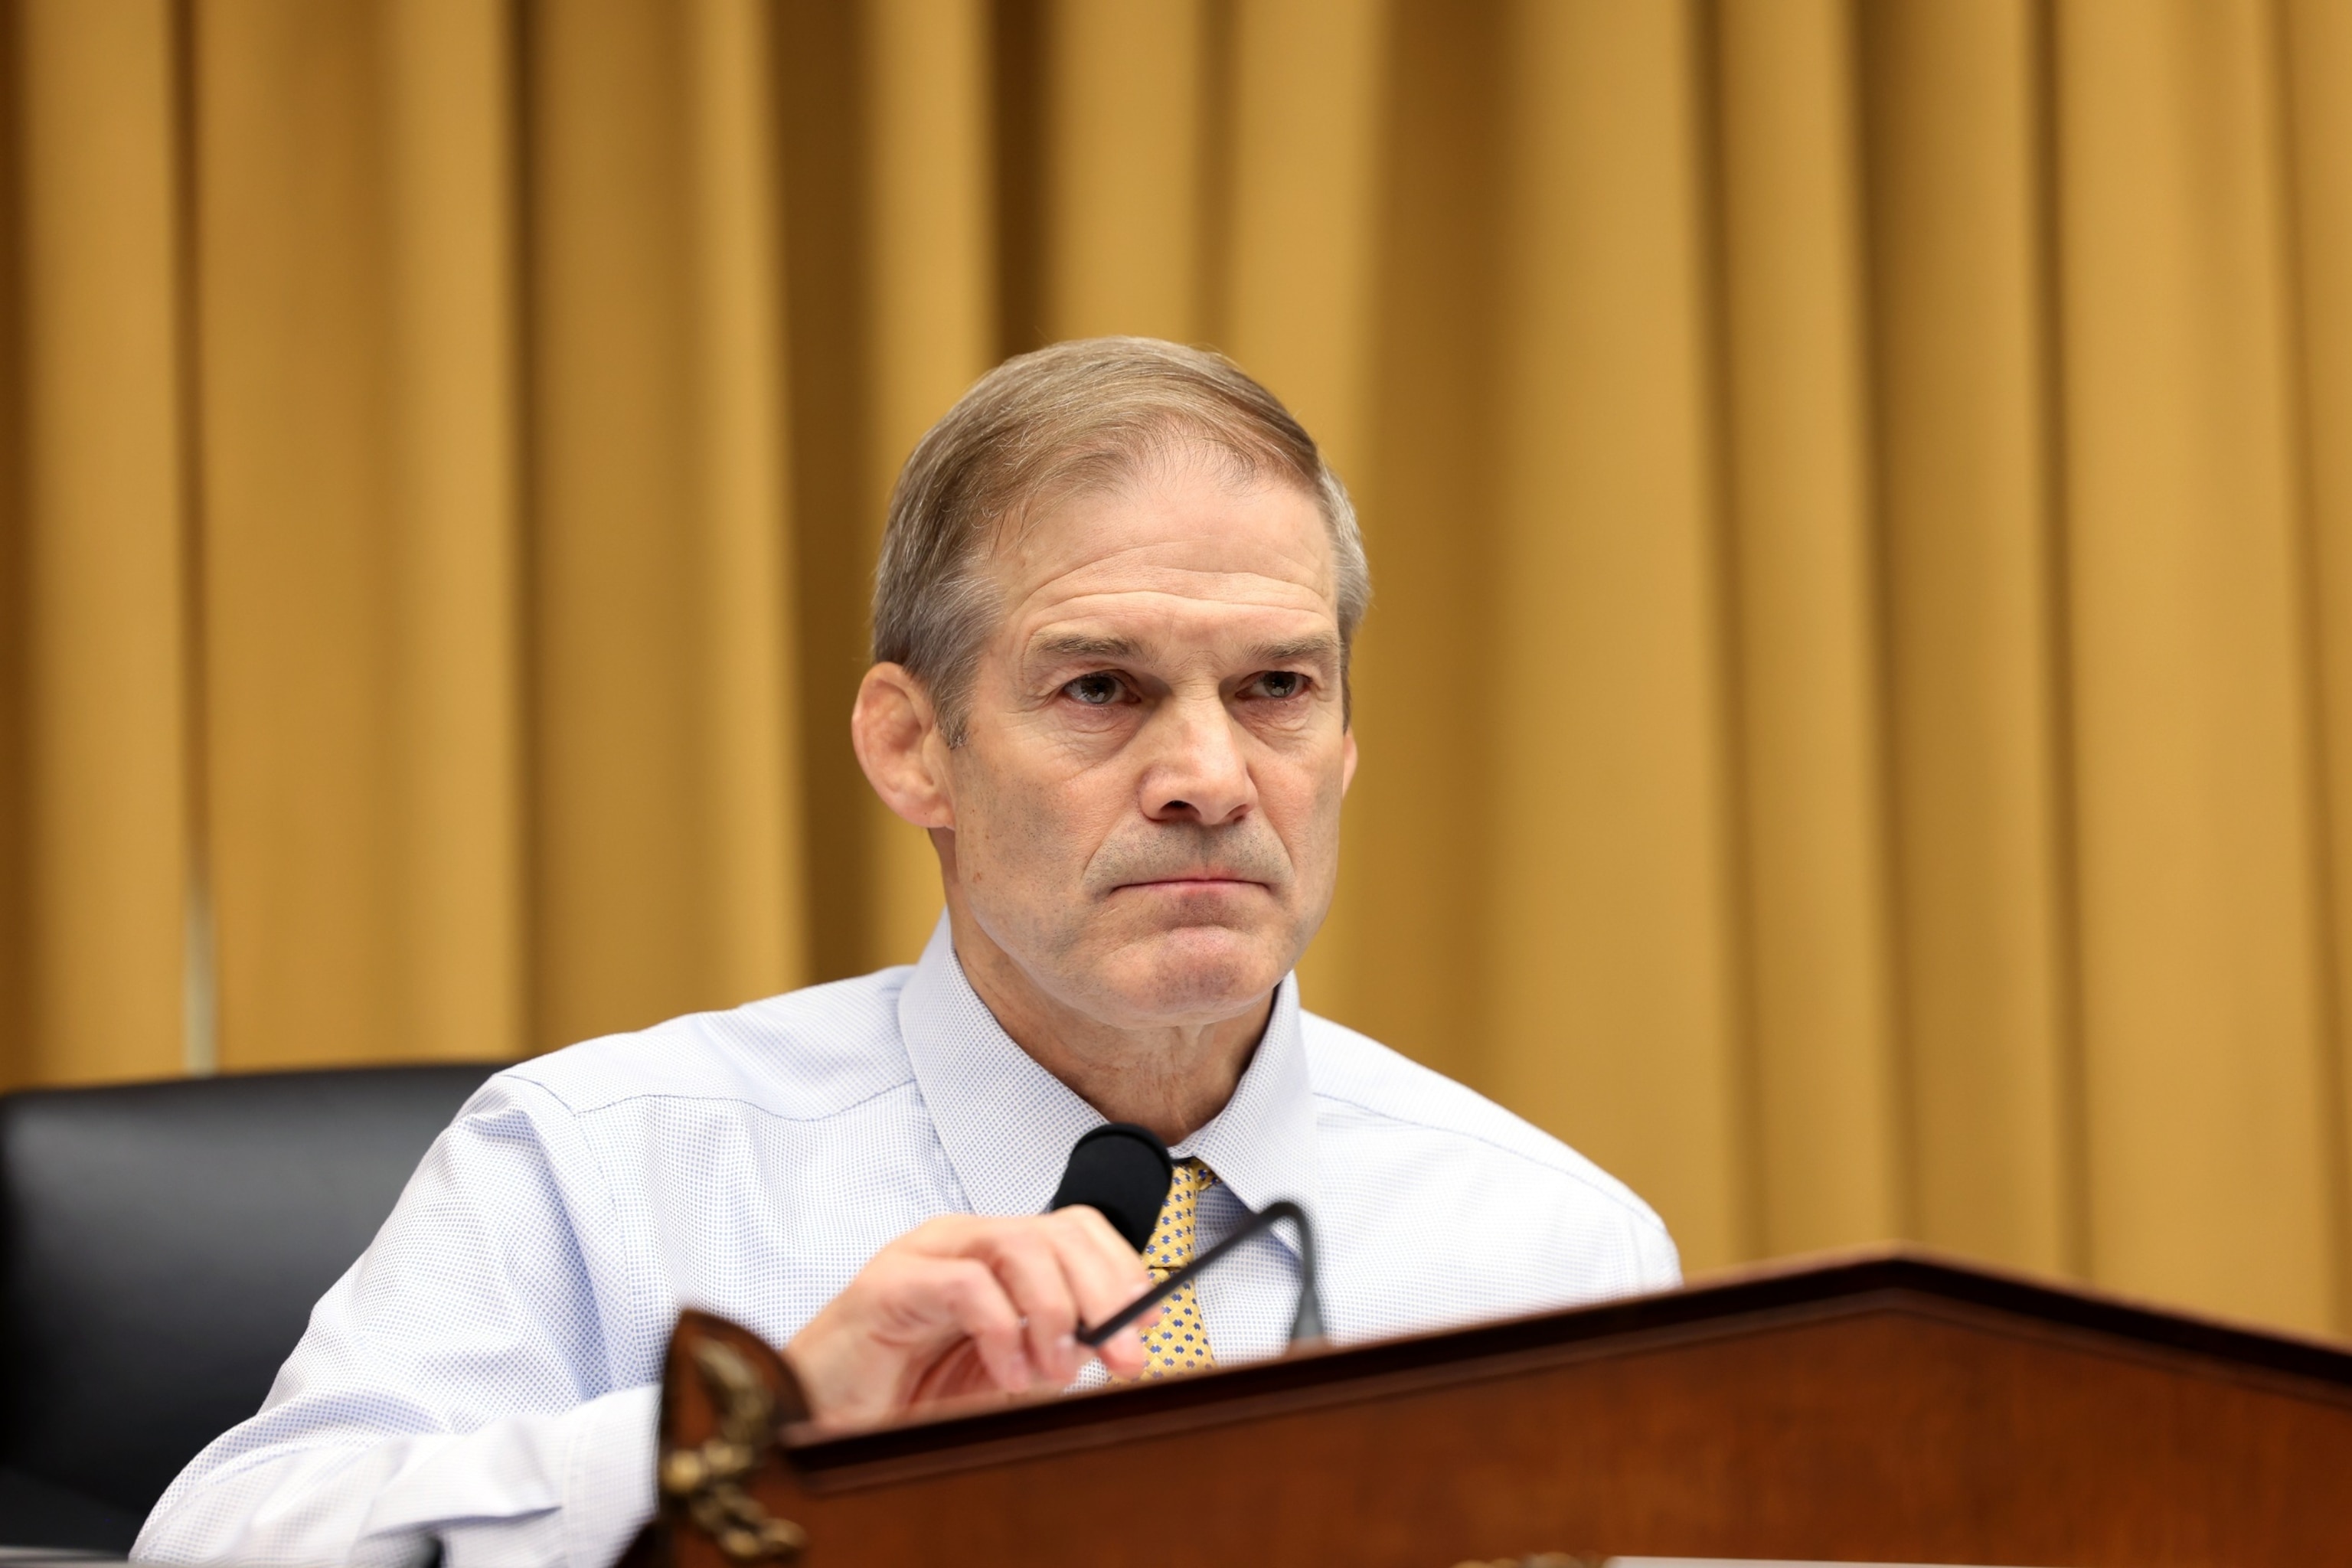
[1112,623]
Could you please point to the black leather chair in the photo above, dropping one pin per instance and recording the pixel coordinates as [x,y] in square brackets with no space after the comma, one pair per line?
[161,1247]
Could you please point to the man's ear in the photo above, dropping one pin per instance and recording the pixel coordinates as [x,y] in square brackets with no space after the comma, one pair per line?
[896,737]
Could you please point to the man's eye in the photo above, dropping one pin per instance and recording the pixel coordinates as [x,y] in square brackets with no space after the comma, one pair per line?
[1281,683]
[1094,691]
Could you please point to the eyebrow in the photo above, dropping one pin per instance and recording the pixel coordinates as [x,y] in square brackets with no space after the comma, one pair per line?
[1077,647]
[1323,646]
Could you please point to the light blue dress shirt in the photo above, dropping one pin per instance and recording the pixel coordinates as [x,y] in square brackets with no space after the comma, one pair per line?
[485,1375]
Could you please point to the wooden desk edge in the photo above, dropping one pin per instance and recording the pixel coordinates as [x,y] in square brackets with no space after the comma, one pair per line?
[1790,1291]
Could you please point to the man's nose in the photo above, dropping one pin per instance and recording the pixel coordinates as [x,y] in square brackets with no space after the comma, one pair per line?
[1197,771]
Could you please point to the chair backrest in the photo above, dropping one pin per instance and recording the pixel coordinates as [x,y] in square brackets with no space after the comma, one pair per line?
[161,1247]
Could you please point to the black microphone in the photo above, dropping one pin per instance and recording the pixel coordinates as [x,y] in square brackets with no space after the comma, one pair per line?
[1123,1171]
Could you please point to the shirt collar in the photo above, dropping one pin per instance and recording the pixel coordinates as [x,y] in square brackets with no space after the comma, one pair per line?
[1006,1124]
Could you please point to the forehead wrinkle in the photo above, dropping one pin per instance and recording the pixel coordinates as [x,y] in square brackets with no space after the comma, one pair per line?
[1160,604]
[1171,454]
[1044,554]
[1078,595]
[1178,626]
[1130,569]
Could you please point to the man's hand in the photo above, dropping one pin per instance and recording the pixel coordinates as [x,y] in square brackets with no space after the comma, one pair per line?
[964,1304]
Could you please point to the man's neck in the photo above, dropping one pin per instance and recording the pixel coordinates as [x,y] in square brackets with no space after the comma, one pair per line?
[1172,1078]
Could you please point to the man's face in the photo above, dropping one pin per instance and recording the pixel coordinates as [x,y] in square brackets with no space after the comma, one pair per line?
[1146,806]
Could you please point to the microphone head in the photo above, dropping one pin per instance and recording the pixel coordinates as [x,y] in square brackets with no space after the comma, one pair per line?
[1122,1170]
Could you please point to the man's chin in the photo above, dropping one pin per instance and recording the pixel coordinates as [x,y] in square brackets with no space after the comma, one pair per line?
[1192,973]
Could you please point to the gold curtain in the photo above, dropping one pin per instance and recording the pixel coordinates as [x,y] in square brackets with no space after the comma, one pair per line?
[1857,719]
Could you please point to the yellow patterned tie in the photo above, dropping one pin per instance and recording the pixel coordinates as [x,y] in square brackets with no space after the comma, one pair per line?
[1178,1342]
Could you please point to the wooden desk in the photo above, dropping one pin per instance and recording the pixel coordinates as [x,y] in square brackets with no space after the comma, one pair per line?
[1887,1406]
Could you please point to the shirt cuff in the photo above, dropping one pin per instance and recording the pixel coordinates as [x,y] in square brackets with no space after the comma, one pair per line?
[608,1478]
[589,1487]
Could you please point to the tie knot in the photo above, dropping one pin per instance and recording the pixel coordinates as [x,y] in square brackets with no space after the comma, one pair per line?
[1170,1247]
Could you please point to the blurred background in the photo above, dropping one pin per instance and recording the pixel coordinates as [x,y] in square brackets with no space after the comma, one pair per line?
[1857,712]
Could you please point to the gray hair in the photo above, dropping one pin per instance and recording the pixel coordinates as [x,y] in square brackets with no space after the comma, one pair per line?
[1039,427]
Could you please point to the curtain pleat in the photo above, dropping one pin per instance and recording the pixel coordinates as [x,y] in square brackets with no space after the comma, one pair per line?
[99,857]
[1961,362]
[1801,567]
[2313,42]
[1127,97]
[2193,754]
[1857,713]
[1612,893]
[356,628]
[663,829]
[1411,909]
[928,330]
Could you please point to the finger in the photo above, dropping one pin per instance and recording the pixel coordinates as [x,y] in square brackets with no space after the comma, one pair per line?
[1029,1251]
[1106,1272]
[966,1291]
[1105,1275]
[1032,1270]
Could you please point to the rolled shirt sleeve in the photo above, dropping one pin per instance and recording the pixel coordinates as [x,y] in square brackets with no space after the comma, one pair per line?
[457,1387]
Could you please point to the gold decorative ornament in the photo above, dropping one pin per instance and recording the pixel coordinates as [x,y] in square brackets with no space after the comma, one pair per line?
[709,1480]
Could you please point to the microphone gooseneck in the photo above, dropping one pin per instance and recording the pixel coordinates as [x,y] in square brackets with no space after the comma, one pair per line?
[1123,1171]
[1306,1323]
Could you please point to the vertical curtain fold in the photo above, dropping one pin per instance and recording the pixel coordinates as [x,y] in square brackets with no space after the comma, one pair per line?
[928,331]
[1616,997]
[2200,987]
[1955,193]
[453,488]
[1858,709]
[97,628]
[1126,186]
[356,490]
[2313,45]
[1412,911]
[1803,623]
[663,845]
